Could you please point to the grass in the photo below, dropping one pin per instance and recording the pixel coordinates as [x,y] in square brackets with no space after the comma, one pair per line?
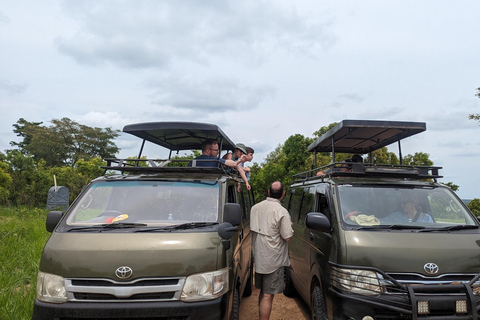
[22,237]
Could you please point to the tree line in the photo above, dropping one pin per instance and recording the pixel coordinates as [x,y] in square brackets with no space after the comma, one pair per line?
[73,153]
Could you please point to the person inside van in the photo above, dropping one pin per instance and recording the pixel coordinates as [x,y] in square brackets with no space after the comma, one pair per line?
[210,152]
[344,167]
[411,212]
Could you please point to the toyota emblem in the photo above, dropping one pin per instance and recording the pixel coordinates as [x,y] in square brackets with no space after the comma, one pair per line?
[124,272]
[430,268]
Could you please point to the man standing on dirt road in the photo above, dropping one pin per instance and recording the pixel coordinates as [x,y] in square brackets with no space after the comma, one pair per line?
[272,229]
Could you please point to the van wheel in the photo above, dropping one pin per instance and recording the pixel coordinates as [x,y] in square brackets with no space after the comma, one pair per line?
[317,307]
[289,290]
[247,292]
[236,305]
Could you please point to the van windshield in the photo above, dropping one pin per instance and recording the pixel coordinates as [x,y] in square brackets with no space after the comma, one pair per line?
[429,207]
[147,202]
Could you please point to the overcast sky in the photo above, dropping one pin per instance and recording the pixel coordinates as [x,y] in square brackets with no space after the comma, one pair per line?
[261,70]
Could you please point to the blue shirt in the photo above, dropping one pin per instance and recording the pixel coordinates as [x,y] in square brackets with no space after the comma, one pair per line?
[209,164]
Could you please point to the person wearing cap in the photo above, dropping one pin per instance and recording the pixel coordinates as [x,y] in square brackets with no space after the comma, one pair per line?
[209,158]
[239,150]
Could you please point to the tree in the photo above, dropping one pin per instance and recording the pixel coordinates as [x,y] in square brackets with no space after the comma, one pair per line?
[65,142]
[5,181]
[452,186]
[475,116]
[474,206]
[383,156]
[417,159]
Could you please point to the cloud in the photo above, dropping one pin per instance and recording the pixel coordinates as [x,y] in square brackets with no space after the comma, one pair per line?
[159,33]
[187,94]
[10,88]
[4,20]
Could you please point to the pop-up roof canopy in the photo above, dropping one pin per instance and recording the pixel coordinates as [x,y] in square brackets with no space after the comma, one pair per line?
[177,136]
[364,136]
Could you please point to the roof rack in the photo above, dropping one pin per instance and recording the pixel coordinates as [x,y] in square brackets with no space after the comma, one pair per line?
[174,136]
[366,136]
[142,166]
[342,169]
[177,136]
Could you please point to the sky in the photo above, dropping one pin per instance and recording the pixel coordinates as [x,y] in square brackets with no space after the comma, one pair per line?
[261,70]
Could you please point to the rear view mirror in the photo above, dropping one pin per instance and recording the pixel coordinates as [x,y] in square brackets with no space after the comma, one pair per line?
[232,213]
[317,221]
[53,218]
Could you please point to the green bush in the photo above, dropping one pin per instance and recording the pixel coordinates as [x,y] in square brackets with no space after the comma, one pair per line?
[22,237]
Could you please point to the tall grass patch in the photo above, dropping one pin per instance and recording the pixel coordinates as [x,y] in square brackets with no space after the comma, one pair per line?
[22,237]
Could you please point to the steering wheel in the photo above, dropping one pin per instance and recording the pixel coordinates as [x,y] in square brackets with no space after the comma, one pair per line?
[353,213]
[451,204]
[90,198]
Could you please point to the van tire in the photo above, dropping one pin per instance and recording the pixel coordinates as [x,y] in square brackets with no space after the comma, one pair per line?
[289,290]
[247,292]
[236,305]
[317,306]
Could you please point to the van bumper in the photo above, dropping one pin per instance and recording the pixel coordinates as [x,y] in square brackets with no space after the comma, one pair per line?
[443,306]
[178,310]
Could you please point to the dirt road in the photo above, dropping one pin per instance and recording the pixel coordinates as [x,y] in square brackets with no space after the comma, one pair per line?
[283,308]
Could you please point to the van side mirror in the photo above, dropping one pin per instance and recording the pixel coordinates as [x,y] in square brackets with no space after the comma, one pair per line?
[317,221]
[232,213]
[53,218]
[226,230]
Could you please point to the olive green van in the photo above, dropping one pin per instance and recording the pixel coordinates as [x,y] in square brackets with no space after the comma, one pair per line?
[380,241]
[151,239]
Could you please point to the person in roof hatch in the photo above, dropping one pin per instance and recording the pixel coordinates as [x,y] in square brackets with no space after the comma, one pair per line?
[239,150]
[209,158]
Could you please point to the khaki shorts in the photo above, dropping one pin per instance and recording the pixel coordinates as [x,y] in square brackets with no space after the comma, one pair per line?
[272,283]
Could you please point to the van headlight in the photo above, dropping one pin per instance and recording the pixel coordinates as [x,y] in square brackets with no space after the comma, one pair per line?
[357,281]
[51,288]
[205,286]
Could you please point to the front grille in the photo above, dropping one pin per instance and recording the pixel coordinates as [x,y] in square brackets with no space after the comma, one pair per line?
[143,296]
[106,290]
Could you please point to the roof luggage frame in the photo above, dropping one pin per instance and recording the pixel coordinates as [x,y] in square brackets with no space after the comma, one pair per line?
[366,136]
[175,136]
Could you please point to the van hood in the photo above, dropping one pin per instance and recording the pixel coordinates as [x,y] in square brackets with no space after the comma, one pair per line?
[98,255]
[407,251]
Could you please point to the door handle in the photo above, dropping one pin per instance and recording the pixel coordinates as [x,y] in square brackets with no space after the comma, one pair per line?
[312,236]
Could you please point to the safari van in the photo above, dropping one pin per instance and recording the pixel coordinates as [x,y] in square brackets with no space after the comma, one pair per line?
[152,238]
[376,241]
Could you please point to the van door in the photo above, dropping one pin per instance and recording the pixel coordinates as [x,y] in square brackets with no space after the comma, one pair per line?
[246,201]
[301,202]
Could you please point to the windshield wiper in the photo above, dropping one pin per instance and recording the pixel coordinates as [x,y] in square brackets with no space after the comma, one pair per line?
[109,226]
[183,226]
[451,228]
[390,227]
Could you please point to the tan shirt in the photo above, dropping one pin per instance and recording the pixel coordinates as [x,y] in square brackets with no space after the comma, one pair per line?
[271,224]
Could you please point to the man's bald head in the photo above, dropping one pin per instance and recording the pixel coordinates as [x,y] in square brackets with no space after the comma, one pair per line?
[276,190]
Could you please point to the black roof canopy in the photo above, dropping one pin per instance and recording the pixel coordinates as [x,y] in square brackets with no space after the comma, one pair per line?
[177,136]
[364,136]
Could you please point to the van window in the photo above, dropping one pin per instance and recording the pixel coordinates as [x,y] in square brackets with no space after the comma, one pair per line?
[387,205]
[245,201]
[149,202]
[295,203]
[308,200]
